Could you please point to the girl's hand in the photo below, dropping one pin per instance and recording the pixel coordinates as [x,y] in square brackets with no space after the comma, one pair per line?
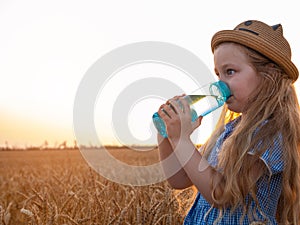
[176,114]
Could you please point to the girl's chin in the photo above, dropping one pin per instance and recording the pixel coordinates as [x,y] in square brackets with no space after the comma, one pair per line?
[229,100]
[232,107]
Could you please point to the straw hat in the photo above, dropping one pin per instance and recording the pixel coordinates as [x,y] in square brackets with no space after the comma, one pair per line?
[265,39]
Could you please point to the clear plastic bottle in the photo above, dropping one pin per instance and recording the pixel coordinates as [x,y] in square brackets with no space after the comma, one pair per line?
[202,101]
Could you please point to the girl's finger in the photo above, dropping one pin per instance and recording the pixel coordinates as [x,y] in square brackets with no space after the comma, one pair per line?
[167,110]
[162,112]
[185,107]
[175,106]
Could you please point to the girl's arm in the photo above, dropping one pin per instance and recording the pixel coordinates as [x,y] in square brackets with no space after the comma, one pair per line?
[185,158]
[202,175]
[199,172]
[194,169]
[176,176]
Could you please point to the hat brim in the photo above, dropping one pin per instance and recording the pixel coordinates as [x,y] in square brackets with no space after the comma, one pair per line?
[258,44]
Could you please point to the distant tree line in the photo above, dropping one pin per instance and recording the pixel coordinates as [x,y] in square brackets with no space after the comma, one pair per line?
[44,146]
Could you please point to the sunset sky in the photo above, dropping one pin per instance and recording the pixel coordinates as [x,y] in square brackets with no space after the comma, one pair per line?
[46,47]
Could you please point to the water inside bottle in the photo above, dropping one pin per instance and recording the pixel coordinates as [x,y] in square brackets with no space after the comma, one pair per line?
[204,104]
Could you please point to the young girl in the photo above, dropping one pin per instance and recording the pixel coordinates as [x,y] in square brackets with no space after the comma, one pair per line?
[248,170]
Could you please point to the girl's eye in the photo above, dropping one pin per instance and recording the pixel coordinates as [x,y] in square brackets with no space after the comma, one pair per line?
[230,72]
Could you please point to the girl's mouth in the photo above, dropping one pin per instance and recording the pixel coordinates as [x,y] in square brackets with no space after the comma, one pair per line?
[229,98]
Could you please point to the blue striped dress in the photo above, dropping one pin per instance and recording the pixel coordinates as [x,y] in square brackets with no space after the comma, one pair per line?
[268,190]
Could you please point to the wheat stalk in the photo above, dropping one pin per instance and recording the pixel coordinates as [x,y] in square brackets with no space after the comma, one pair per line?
[66,217]
[26,212]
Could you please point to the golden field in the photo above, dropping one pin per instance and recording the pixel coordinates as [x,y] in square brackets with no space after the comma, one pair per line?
[45,187]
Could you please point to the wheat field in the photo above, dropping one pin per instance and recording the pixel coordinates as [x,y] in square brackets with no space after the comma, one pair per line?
[49,187]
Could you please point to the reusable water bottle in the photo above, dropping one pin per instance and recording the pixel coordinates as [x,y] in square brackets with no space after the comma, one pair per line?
[202,101]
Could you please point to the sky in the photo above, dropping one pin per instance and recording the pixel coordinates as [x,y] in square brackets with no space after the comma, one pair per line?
[47,47]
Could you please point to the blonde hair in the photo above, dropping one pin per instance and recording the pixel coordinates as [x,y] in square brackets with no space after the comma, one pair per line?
[276,102]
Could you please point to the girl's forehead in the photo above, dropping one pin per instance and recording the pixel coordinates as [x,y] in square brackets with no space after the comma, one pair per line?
[230,46]
[229,52]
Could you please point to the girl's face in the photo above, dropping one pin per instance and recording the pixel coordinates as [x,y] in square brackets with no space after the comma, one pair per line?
[233,67]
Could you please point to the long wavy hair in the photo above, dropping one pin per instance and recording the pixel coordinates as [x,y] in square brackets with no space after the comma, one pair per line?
[275,102]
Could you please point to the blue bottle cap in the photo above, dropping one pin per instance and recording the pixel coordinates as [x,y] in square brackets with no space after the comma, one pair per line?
[223,89]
